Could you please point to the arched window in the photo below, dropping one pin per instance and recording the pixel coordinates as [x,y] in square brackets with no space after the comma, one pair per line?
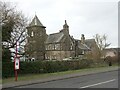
[32,34]
[71,46]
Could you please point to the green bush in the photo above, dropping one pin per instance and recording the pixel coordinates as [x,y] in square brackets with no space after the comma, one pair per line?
[39,67]
[6,55]
[7,69]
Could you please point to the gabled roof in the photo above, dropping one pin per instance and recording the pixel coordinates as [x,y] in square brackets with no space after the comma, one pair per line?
[89,42]
[72,39]
[54,38]
[82,46]
[110,50]
[36,22]
[117,49]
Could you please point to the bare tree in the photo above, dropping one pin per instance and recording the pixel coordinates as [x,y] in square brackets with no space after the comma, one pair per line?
[101,41]
[13,26]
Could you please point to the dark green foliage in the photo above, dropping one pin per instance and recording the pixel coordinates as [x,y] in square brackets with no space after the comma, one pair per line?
[40,67]
[7,28]
[6,55]
[8,23]
[7,69]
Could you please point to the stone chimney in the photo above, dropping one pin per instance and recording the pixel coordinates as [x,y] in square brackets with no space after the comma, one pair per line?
[82,39]
[66,28]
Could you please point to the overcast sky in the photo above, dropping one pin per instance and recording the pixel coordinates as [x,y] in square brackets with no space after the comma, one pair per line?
[87,17]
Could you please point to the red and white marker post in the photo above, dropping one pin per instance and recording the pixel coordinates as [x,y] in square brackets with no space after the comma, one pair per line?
[16,62]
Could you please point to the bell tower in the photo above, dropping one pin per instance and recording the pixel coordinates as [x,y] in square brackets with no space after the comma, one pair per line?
[35,47]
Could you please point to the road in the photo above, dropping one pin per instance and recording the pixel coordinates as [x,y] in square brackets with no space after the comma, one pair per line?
[99,80]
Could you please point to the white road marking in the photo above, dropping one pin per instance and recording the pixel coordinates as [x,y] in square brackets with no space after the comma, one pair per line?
[98,83]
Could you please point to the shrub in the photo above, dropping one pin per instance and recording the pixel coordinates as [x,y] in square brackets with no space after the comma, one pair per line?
[7,69]
[39,67]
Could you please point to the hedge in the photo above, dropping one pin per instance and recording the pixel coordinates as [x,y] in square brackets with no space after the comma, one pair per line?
[39,67]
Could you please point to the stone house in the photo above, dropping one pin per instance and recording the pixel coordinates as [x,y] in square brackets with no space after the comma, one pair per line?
[94,53]
[112,52]
[59,45]
[55,46]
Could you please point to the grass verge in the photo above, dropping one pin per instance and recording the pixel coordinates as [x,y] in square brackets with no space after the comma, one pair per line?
[42,76]
[0,81]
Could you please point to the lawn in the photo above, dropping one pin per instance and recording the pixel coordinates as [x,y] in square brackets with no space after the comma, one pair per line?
[0,81]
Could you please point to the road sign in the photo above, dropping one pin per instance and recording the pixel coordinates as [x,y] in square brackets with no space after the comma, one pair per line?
[17,65]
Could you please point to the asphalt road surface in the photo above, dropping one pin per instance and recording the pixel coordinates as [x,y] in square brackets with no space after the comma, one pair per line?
[99,80]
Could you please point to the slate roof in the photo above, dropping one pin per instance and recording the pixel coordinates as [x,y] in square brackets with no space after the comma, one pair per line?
[73,40]
[54,38]
[82,46]
[36,22]
[115,50]
[89,42]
